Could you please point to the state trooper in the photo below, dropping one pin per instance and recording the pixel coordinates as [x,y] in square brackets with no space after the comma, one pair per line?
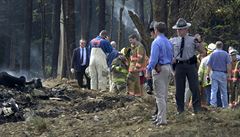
[185,60]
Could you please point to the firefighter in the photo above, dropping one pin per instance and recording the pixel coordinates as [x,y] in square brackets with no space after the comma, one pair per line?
[234,81]
[205,82]
[119,71]
[136,66]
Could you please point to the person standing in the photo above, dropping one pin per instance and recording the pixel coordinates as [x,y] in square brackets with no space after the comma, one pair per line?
[160,66]
[114,54]
[185,61]
[234,81]
[79,63]
[220,65]
[202,74]
[119,71]
[98,68]
[136,66]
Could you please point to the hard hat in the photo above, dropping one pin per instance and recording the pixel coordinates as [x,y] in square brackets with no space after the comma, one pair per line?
[233,52]
[123,51]
[211,47]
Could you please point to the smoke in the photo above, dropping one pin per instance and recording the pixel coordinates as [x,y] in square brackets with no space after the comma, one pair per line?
[127,21]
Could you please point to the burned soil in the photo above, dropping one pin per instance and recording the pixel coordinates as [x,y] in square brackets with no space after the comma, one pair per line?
[62,109]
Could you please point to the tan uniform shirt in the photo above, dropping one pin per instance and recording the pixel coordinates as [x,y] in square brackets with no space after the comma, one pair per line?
[189,49]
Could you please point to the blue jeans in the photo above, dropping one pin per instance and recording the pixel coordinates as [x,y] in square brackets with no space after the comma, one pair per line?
[219,100]
[219,82]
[207,91]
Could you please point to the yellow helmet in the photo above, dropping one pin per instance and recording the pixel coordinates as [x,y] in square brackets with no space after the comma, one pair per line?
[210,48]
[123,51]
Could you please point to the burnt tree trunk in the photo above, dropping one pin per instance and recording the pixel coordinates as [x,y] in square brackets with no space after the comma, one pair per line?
[56,36]
[141,10]
[174,14]
[84,18]
[43,34]
[101,15]
[146,40]
[89,19]
[151,11]
[68,40]
[12,54]
[160,12]
[28,33]
[121,26]
[111,19]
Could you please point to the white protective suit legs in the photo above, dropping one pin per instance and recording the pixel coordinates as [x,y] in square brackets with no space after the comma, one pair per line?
[98,69]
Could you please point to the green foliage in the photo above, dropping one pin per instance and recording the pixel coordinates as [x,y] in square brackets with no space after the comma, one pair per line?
[223,23]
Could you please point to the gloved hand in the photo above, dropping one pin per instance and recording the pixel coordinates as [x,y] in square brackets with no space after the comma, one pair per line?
[72,70]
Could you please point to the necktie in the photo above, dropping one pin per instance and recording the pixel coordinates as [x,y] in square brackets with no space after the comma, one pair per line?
[81,55]
[181,48]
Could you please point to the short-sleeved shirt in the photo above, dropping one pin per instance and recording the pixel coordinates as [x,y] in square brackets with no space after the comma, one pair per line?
[189,49]
[218,60]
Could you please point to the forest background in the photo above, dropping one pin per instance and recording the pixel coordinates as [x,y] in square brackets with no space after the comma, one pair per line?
[37,37]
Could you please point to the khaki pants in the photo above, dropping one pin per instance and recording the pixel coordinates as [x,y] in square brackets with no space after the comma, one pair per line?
[160,87]
[133,84]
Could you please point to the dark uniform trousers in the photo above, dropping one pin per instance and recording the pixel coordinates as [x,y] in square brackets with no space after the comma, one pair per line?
[79,76]
[182,71]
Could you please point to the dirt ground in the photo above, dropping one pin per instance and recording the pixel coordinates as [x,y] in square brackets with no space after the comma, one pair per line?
[84,113]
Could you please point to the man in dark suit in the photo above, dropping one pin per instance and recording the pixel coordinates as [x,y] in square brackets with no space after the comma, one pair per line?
[80,62]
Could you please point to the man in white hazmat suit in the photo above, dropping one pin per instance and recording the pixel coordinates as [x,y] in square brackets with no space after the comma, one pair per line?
[98,68]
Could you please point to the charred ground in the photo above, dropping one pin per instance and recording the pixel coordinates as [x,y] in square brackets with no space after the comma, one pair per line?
[62,109]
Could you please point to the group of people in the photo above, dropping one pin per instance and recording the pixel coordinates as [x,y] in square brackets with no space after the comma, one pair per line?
[210,72]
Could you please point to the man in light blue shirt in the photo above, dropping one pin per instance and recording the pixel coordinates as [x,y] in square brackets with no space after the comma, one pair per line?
[220,64]
[160,67]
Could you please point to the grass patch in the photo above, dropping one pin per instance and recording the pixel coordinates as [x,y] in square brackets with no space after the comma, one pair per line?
[37,125]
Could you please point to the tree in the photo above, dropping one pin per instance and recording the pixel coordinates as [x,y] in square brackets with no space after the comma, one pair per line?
[12,54]
[141,29]
[67,38]
[151,11]
[56,36]
[101,15]
[43,33]
[141,10]
[160,10]
[84,21]
[111,19]
[28,32]
[121,26]
[174,13]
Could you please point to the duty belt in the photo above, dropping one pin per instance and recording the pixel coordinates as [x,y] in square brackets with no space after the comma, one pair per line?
[183,62]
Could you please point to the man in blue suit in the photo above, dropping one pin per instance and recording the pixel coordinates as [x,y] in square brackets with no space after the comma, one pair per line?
[80,62]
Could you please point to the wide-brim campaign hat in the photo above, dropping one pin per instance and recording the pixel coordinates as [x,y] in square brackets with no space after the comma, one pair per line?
[181,24]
